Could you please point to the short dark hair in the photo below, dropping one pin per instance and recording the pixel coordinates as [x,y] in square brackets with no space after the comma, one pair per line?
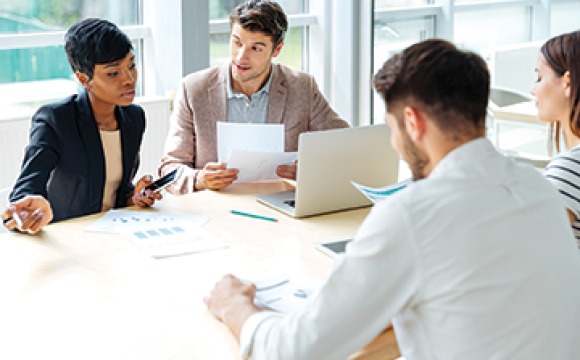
[451,85]
[261,15]
[562,53]
[95,41]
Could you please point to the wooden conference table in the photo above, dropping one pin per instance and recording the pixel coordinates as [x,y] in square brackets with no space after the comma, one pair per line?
[69,294]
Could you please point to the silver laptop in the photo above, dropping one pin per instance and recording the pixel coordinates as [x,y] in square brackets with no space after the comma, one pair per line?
[327,163]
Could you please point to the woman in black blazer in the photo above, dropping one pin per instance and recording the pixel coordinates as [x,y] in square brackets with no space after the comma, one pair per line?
[84,151]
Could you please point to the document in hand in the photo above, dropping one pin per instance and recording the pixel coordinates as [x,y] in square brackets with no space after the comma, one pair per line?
[283,294]
[255,165]
[252,137]
[377,194]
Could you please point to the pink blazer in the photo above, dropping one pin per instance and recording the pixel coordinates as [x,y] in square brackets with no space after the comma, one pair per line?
[200,102]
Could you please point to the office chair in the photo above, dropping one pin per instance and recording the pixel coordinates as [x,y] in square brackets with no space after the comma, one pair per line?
[500,97]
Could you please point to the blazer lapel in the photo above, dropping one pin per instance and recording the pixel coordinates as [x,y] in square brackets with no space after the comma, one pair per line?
[217,103]
[89,132]
[278,96]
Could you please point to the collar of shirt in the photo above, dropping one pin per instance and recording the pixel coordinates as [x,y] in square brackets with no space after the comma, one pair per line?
[471,152]
[232,94]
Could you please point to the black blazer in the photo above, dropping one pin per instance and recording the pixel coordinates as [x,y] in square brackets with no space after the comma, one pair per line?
[65,162]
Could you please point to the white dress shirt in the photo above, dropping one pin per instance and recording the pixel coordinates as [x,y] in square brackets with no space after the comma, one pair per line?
[478,261]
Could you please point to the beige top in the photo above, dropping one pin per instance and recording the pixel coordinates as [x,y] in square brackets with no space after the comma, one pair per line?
[113,166]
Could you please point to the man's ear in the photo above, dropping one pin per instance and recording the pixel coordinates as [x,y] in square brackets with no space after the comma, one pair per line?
[83,79]
[414,123]
[277,50]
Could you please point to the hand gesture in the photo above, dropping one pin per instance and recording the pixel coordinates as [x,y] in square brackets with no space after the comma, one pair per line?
[28,214]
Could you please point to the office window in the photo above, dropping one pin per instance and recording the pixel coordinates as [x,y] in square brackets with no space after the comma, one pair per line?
[476,30]
[474,1]
[507,33]
[386,4]
[564,18]
[293,52]
[47,15]
[391,37]
[221,9]
[34,75]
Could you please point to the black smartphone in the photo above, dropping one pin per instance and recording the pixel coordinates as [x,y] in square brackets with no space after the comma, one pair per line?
[164,181]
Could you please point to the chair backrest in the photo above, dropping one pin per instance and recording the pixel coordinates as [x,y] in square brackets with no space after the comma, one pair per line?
[512,66]
[501,96]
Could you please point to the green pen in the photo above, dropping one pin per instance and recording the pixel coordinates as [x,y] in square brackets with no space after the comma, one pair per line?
[252,215]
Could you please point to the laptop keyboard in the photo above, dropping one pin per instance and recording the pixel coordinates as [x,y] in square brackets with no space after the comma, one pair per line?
[291,203]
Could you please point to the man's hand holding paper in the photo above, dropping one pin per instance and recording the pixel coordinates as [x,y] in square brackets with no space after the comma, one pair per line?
[255,151]
[215,176]
[256,165]
[287,171]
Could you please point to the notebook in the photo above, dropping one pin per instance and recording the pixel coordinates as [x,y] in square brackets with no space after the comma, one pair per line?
[327,163]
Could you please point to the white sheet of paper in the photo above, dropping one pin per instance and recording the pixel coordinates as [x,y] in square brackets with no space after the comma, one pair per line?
[117,221]
[253,137]
[174,239]
[282,293]
[378,194]
[255,165]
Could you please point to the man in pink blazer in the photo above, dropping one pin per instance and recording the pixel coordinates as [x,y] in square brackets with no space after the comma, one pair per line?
[248,89]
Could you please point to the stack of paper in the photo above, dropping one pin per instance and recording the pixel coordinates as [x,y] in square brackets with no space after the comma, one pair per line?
[174,239]
[159,234]
[254,149]
[255,165]
[117,221]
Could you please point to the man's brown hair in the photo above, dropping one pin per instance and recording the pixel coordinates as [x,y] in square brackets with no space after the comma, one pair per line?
[450,85]
[261,15]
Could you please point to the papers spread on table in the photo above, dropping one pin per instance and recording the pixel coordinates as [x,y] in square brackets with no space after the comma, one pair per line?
[256,165]
[282,293]
[253,137]
[377,194]
[173,239]
[117,221]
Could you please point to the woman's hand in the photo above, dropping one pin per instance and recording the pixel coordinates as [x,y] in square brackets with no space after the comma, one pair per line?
[141,197]
[29,214]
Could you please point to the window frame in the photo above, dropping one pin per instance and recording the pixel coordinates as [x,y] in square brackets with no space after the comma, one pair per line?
[443,12]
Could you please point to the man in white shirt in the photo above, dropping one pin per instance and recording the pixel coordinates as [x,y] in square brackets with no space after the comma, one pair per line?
[475,260]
